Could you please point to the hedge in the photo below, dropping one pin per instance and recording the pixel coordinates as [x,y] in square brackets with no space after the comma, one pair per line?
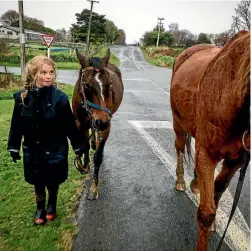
[15,59]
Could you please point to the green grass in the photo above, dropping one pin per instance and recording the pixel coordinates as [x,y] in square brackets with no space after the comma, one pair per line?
[71,65]
[17,200]
[159,59]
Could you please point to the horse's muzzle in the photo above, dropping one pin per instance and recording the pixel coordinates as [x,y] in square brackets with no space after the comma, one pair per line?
[102,125]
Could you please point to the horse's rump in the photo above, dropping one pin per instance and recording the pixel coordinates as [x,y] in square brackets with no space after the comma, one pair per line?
[224,97]
[187,72]
[186,54]
[210,90]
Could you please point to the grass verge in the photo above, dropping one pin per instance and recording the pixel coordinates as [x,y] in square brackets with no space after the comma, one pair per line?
[17,200]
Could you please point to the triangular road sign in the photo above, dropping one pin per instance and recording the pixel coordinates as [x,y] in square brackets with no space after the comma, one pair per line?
[48,40]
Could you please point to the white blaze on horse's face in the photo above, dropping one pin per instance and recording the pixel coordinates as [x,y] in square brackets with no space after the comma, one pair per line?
[100,84]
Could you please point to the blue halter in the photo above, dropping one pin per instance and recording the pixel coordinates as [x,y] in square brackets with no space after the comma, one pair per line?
[98,107]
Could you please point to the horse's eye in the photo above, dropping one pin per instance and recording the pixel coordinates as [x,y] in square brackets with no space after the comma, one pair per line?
[87,86]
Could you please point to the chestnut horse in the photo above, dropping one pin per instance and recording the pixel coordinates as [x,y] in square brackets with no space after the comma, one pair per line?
[210,100]
[97,96]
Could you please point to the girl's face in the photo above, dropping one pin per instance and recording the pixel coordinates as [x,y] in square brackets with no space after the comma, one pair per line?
[46,76]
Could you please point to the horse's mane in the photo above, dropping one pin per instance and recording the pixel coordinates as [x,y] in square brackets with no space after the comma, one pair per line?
[96,62]
[232,65]
[225,84]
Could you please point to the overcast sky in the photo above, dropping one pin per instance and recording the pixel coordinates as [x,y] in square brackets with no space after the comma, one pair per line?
[134,16]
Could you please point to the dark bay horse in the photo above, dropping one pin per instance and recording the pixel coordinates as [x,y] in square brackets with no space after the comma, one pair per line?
[97,96]
[210,101]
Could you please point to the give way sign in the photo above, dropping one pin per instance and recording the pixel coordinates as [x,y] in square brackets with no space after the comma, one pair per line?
[48,40]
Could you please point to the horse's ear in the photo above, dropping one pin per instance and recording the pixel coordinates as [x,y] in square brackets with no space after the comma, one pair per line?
[81,58]
[106,58]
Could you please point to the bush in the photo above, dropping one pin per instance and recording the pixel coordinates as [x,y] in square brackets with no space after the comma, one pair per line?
[15,59]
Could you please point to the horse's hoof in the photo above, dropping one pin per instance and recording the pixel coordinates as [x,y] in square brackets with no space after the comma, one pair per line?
[194,187]
[213,227]
[93,192]
[180,186]
[86,169]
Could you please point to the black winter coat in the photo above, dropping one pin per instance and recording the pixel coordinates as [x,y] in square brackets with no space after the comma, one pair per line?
[45,122]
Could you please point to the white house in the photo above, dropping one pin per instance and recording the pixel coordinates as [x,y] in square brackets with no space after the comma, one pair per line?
[13,33]
[9,32]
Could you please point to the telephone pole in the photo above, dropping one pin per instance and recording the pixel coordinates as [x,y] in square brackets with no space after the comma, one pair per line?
[159,25]
[22,37]
[89,28]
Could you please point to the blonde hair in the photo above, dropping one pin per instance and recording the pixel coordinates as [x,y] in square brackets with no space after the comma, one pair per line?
[33,67]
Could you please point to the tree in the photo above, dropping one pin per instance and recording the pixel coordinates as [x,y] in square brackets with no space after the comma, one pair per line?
[156,28]
[150,38]
[241,20]
[222,38]
[186,38]
[61,35]
[80,29]
[111,32]
[9,17]
[203,39]
[31,21]
[174,30]
[121,40]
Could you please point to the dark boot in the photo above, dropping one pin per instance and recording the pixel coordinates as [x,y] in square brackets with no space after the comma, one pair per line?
[52,202]
[40,215]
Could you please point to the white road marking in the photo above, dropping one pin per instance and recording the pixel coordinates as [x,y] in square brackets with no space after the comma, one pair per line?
[238,234]
[100,84]
[159,87]
[135,61]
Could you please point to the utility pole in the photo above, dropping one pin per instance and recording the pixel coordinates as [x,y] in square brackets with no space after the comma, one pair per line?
[89,28]
[22,37]
[159,25]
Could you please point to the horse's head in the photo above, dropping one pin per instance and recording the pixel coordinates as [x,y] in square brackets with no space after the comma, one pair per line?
[96,88]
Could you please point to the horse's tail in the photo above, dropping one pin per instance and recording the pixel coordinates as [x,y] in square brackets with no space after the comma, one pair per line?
[188,147]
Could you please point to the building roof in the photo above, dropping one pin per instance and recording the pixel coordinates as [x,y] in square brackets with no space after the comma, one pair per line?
[25,30]
[10,28]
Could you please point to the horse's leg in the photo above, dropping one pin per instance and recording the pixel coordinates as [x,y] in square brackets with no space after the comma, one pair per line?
[93,141]
[98,158]
[180,147]
[205,167]
[86,167]
[194,185]
[228,170]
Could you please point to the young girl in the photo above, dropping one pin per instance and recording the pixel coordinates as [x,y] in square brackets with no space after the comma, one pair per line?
[43,117]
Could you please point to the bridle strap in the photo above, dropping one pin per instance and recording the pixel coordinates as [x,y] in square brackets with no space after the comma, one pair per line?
[87,103]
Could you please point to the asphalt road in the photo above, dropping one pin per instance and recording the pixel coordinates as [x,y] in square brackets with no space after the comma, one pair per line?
[138,207]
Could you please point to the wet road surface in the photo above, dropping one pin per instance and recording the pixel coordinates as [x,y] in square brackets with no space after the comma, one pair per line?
[138,207]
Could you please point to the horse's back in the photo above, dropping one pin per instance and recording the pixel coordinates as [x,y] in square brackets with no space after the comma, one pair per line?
[117,86]
[115,69]
[188,69]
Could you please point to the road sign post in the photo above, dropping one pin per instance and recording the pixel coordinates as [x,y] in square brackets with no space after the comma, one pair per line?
[48,41]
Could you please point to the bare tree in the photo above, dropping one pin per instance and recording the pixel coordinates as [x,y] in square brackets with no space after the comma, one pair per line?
[187,38]
[174,30]
[222,38]
[241,20]
[9,17]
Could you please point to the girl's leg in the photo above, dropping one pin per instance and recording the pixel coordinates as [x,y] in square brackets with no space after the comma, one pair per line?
[40,200]
[52,202]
